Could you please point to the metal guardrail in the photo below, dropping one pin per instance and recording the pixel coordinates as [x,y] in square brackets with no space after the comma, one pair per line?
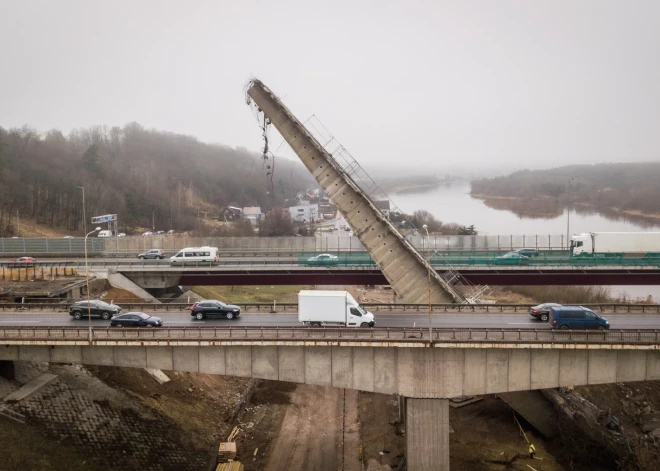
[398,307]
[377,335]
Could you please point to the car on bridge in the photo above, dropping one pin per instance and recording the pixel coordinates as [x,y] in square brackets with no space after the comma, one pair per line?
[214,308]
[153,253]
[528,252]
[511,258]
[542,311]
[323,259]
[576,318]
[25,260]
[98,308]
[135,319]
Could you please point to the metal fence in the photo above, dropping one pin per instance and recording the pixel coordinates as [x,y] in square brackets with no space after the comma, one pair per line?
[377,307]
[288,334]
[320,243]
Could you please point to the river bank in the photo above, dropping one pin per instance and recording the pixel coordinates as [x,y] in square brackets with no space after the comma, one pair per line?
[545,206]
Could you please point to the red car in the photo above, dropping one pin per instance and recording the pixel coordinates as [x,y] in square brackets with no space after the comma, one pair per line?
[25,259]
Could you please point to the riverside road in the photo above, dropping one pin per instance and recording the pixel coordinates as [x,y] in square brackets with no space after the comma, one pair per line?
[289,319]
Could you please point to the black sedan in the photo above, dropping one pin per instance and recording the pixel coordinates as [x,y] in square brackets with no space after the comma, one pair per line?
[213,308]
[135,319]
[542,311]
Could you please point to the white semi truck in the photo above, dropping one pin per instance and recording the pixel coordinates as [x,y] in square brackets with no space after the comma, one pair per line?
[332,308]
[616,243]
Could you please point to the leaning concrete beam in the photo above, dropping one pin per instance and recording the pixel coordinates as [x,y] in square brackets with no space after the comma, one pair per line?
[387,246]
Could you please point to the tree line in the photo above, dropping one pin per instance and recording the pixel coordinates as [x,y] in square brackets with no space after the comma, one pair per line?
[622,186]
[144,176]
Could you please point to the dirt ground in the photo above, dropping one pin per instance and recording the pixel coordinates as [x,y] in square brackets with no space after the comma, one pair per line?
[200,404]
[300,427]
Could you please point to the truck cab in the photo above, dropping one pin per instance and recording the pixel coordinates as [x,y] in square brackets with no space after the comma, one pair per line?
[581,244]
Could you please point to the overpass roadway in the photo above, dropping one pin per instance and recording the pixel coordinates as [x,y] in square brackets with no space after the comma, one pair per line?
[161,274]
[290,319]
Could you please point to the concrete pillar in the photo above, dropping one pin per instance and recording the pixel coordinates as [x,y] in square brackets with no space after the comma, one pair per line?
[427,434]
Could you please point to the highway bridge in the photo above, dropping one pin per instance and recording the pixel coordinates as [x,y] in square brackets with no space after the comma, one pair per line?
[424,366]
[152,274]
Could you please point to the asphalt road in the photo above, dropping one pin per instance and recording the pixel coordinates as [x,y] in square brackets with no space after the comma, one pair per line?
[288,319]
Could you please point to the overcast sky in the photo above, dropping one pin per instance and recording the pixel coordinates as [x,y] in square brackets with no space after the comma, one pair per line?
[438,83]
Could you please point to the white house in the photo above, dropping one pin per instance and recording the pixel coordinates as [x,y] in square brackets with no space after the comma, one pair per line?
[384,206]
[253,214]
[304,212]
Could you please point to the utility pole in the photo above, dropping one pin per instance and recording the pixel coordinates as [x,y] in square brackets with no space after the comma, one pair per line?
[568,215]
[153,220]
[84,216]
[18,225]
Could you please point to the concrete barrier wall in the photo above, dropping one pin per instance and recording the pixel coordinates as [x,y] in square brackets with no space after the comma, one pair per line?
[410,372]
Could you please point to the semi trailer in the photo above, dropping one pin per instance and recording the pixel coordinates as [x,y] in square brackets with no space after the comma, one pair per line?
[634,244]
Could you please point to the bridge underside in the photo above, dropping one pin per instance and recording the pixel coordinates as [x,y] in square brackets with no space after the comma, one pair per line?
[413,372]
[375,277]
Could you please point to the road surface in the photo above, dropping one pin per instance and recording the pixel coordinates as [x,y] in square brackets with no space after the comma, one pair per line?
[290,319]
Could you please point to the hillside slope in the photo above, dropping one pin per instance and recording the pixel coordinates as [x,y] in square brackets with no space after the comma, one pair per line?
[138,174]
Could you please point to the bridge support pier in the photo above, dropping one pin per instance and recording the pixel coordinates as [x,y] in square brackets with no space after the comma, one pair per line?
[427,434]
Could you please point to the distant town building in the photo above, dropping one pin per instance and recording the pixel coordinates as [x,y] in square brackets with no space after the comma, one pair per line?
[384,207]
[230,213]
[253,214]
[304,212]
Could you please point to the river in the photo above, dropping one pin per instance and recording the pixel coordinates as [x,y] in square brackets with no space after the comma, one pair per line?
[453,204]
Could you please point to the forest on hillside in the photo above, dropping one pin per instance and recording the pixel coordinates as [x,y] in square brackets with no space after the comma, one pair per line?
[136,173]
[621,186]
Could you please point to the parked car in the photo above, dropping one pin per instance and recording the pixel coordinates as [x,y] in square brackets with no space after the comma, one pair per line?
[25,260]
[159,232]
[528,252]
[80,309]
[213,308]
[511,258]
[121,234]
[67,237]
[153,253]
[576,317]
[171,231]
[135,319]
[323,259]
[542,311]
[147,234]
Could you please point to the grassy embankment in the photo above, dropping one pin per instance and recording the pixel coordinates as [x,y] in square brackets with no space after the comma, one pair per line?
[555,294]
[251,294]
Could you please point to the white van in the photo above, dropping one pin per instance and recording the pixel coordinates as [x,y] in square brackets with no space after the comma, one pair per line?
[105,234]
[196,254]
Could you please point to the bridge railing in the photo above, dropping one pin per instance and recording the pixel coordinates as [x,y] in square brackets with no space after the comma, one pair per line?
[376,335]
[377,307]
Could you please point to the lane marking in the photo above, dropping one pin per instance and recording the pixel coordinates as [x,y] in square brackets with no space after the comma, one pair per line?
[519,323]
[22,322]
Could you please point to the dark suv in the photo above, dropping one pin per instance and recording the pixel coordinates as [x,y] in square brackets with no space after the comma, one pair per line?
[80,309]
[212,308]
[153,253]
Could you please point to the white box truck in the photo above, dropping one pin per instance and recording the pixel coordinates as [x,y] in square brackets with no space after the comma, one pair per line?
[613,243]
[332,308]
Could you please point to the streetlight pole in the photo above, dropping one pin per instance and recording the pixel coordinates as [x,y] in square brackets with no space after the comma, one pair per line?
[428,254]
[84,216]
[568,213]
[89,306]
